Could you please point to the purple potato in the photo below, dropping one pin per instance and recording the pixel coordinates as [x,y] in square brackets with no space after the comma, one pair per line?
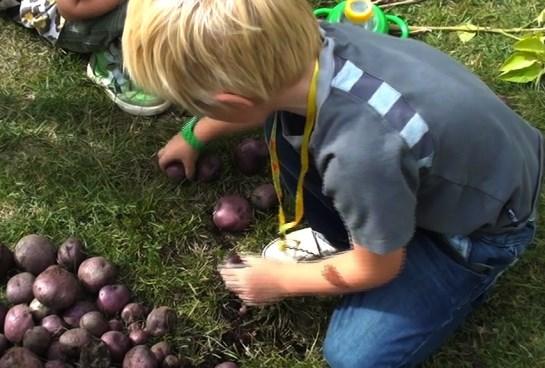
[134,312]
[37,340]
[251,155]
[54,324]
[115,325]
[56,288]
[232,213]
[137,334]
[161,350]
[227,365]
[19,288]
[112,298]
[171,361]
[4,344]
[57,364]
[73,340]
[118,344]
[94,322]
[96,272]
[234,260]
[7,262]
[70,254]
[38,310]
[160,321]
[18,321]
[73,314]
[140,356]
[34,253]
[3,312]
[176,171]
[264,197]
[208,168]
[56,352]
[18,357]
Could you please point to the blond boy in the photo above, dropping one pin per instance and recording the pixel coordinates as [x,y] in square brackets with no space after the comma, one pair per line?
[422,184]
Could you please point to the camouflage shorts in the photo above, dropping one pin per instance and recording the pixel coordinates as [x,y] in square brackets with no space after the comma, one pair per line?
[93,34]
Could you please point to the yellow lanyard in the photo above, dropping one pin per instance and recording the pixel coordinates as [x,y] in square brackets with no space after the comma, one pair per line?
[275,163]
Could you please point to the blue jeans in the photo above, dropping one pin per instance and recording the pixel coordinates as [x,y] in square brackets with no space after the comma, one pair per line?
[402,323]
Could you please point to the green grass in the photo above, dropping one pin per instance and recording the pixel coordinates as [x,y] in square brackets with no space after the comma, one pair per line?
[72,163]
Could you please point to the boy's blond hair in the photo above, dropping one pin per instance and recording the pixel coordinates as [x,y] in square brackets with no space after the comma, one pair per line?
[187,50]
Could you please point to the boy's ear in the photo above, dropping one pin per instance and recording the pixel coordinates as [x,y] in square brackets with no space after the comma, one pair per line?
[233,100]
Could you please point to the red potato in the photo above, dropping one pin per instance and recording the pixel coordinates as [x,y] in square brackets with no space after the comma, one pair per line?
[161,350]
[118,344]
[19,288]
[251,155]
[208,168]
[38,310]
[94,322]
[140,356]
[264,197]
[73,314]
[227,365]
[96,272]
[112,298]
[232,213]
[18,321]
[160,321]
[4,344]
[57,364]
[18,357]
[115,325]
[54,324]
[176,171]
[56,352]
[7,262]
[71,253]
[134,312]
[171,361]
[137,334]
[73,340]
[3,312]
[56,288]
[34,253]
[37,340]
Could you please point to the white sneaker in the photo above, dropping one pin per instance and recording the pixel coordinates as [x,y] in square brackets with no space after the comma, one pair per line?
[301,245]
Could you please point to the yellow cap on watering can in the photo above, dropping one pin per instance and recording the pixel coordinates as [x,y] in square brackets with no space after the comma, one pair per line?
[358,11]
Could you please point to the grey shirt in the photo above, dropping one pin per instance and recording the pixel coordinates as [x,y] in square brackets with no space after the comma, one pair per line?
[407,137]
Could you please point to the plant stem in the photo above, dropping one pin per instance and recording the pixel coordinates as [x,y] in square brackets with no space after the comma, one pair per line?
[503,31]
[403,2]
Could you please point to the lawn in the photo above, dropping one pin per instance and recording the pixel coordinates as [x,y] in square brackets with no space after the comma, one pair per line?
[71,163]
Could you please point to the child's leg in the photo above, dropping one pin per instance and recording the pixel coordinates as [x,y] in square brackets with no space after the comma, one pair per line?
[320,213]
[95,34]
[404,322]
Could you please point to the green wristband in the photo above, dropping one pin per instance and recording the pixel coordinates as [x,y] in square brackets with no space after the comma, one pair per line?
[189,136]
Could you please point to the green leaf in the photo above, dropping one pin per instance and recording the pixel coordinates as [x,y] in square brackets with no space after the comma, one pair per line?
[524,75]
[541,18]
[519,60]
[466,36]
[532,44]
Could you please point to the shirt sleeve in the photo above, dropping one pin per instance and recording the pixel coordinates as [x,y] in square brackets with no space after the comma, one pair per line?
[372,178]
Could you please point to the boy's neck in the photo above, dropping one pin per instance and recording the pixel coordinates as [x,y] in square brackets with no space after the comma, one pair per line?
[295,98]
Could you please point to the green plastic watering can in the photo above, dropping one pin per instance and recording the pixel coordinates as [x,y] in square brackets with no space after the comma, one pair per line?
[359,11]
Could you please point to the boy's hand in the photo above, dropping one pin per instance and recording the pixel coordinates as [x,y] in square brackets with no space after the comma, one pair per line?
[255,283]
[177,149]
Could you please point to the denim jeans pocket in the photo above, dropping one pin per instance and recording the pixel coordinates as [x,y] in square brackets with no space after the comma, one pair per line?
[500,251]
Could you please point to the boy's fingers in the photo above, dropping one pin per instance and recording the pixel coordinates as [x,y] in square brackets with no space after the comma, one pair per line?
[161,152]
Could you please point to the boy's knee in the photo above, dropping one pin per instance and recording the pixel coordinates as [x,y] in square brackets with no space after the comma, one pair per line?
[338,355]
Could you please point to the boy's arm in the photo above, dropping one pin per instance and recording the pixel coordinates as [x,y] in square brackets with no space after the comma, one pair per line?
[264,281]
[349,272]
[208,129]
[74,10]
